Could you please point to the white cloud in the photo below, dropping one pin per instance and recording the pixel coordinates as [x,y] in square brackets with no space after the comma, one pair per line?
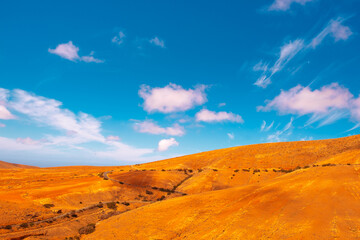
[2,125]
[287,52]
[149,126]
[28,141]
[119,39]
[75,129]
[4,112]
[157,42]
[265,128]
[281,135]
[231,136]
[283,5]
[171,98]
[209,116]
[79,128]
[327,104]
[263,81]
[336,29]
[70,52]
[302,100]
[113,138]
[164,144]
[8,144]
[66,50]
[222,104]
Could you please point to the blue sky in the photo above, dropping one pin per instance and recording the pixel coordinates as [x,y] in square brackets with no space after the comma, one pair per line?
[123,82]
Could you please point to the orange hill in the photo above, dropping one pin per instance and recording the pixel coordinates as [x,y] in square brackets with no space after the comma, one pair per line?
[276,199]
[7,165]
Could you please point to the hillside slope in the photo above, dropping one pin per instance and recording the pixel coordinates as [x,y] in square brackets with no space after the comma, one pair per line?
[7,165]
[265,195]
[315,203]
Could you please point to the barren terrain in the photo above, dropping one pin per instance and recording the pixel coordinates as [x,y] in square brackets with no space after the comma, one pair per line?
[294,190]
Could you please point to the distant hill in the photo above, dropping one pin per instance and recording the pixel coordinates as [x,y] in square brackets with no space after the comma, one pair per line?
[7,165]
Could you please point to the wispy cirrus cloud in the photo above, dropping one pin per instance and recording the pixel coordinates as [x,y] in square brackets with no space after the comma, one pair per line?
[171,98]
[210,116]
[149,126]
[284,5]
[70,52]
[291,49]
[74,129]
[287,52]
[264,127]
[281,135]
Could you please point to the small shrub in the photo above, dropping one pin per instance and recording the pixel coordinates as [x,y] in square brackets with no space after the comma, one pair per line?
[111,205]
[80,202]
[306,167]
[236,170]
[274,170]
[24,225]
[200,170]
[163,170]
[31,224]
[155,188]
[190,171]
[161,198]
[125,203]
[48,205]
[215,170]
[90,228]
[256,170]
[149,192]
[246,170]
[8,227]
[349,164]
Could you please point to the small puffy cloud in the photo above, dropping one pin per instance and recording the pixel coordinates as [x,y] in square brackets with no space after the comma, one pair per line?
[336,29]
[113,138]
[302,100]
[164,144]
[284,5]
[91,58]
[2,125]
[157,42]
[210,116]
[70,52]
[231,136]
[149,126]
[222,104]
[119,39]
[171,98]
[66,50]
